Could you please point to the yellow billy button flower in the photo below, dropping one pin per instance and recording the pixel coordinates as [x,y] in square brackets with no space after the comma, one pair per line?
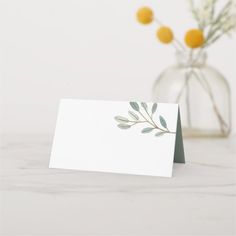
[194,38]
[165,34]
[145,15]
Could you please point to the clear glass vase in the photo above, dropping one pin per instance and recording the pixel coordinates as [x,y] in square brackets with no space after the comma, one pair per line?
[202,93]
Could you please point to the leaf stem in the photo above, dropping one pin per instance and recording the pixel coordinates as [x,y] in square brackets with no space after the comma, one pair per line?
[153,123]
[130,123]
[146,119]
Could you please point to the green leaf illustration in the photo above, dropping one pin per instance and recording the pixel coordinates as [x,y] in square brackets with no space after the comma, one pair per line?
[144,105]
[124,126]
[121,119]
[159,134]
[154,108]
[147,130]
[163,122]
[134,105]
[133,115]
[141,115]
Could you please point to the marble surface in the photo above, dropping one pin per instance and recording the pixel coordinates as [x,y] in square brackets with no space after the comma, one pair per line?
[199,200]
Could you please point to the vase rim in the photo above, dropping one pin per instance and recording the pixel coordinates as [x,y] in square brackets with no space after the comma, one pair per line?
[191,58]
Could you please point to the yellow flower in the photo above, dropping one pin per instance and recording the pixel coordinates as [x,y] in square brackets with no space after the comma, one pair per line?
[145,15]
[194,38]
[165,34]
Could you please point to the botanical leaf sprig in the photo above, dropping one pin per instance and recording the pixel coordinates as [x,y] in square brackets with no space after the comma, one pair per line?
[140,114]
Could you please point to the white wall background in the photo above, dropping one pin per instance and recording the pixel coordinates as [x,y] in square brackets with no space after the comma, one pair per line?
[86,49]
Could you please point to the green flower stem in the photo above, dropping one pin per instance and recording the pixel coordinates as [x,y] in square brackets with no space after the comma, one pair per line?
[188,76]
[188,103]
[215,26]
[214,31]
[208,90]
[222,123]
[177,44]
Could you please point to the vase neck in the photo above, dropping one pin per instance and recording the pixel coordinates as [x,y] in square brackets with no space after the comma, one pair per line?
[190,59]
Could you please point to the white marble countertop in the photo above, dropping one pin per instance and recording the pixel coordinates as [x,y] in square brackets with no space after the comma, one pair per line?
[199,200]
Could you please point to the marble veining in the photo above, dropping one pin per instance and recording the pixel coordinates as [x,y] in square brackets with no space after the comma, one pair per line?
[200,199]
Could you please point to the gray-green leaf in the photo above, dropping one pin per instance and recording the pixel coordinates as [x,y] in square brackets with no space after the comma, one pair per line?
[124,126]
[154,108]
[147,130]
[144,105]
[134,105]
[121,119]
[133,115]
[159,134]
[163,122]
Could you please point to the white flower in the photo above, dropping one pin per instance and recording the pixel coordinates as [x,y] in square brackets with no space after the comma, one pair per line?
[205,15]
[213,21]
[210,2]
[203,12]
[229,24]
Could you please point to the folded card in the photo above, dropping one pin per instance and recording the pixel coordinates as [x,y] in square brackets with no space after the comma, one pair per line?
[120,137]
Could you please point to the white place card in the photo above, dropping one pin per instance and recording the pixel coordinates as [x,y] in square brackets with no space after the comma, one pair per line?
[120,137]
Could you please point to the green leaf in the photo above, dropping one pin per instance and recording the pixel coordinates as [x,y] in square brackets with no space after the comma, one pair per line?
[121,119]
[159,134]
[163,122]
[124,126]
[147,130]
[144,105]
[134,105]
[133,115]
[154,108]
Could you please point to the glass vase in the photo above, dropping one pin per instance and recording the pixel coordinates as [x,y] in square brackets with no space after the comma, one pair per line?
[202,93]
